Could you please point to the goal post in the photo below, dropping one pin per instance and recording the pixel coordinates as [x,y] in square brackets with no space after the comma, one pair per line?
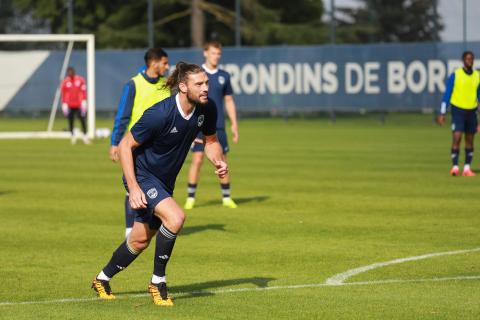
[89,39]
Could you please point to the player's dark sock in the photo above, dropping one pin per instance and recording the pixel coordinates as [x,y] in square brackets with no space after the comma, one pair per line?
[129,214]
[225,189]
[455,157]
[192,188]
[121,258]
[468,156]
[163,250]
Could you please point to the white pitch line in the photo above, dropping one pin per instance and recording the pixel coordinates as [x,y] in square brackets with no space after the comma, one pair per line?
[221,291]
[340,278]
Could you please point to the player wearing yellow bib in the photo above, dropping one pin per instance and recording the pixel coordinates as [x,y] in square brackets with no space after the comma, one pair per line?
[140,93]
[462,93]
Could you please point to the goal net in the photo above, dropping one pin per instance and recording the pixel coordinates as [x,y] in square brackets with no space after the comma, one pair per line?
[30,93]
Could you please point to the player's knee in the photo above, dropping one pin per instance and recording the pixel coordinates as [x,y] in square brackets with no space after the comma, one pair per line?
[139,244]
[180,219]
[177,220]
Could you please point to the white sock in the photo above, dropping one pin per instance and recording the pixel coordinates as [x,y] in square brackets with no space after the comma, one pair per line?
[103,276]
[466,167]
[127,232]
[157,279]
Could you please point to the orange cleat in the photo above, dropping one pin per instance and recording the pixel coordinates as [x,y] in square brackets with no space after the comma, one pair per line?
[468,173]
[455,172]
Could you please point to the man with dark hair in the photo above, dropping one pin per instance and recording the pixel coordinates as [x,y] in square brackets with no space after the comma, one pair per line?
[220,91]
[74,102]
[152,154]
[462,94]
[141,92]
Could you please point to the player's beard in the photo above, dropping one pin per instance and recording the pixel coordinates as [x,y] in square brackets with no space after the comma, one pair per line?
[194,100]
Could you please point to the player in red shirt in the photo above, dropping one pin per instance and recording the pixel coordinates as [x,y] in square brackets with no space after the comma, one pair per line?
[74,101]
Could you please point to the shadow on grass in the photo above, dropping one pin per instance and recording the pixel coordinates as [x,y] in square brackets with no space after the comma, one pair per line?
[195,229]
[239,201]
[207,288]
[5,192]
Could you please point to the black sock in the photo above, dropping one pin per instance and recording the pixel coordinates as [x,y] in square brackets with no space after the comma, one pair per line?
[225,189]
[129,214]
[192,188]
[468,156]
[163,250]
[121,258]
[455,157]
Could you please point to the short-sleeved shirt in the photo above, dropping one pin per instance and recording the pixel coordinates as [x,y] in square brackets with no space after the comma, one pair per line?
[165,135]
[219,86]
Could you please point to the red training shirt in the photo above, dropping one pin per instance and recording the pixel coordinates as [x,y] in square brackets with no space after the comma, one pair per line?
[74,91]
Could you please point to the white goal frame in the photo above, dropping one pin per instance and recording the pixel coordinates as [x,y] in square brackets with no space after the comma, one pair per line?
[89,39]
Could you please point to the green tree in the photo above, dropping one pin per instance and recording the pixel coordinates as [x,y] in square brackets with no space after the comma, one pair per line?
[269,22]
[115,23]
[123,24]
[388,21]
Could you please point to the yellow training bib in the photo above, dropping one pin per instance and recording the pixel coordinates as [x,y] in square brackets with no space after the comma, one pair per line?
[146,95]
[465,88]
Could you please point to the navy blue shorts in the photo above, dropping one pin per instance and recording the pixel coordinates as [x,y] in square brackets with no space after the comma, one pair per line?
[222,138]
[154,193]
[464,120]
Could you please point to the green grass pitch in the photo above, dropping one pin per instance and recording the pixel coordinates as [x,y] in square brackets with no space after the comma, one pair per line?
[315,199]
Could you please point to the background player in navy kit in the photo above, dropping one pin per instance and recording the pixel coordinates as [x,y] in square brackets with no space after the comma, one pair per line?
[220,91]
[152,154]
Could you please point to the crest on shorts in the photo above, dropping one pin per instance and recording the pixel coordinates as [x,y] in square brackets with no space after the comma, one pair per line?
[152,193]
[221,79]
[201,118]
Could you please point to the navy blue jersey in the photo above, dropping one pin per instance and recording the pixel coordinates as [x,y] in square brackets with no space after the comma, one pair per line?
[166,135]
[218,87]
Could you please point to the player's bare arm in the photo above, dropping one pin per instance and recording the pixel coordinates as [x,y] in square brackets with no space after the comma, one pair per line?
[232,115]
[125,148]
[213,151]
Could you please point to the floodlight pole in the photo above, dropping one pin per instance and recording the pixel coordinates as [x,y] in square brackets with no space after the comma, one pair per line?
[332,22]
[435,21]
[238,15]
[151,43]
[70,16]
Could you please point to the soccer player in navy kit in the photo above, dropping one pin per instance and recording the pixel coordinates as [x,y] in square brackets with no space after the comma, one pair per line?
[220,91]
[152,154]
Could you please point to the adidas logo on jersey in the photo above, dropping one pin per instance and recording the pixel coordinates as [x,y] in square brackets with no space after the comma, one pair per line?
[174,130]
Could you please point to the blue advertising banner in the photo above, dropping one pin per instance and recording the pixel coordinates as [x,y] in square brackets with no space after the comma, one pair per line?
[341,77]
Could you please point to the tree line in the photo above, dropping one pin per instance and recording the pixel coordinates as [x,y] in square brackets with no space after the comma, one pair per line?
[123,24]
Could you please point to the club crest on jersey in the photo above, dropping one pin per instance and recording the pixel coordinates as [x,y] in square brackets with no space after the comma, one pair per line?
[152,193]
[200,120]
[221,79]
